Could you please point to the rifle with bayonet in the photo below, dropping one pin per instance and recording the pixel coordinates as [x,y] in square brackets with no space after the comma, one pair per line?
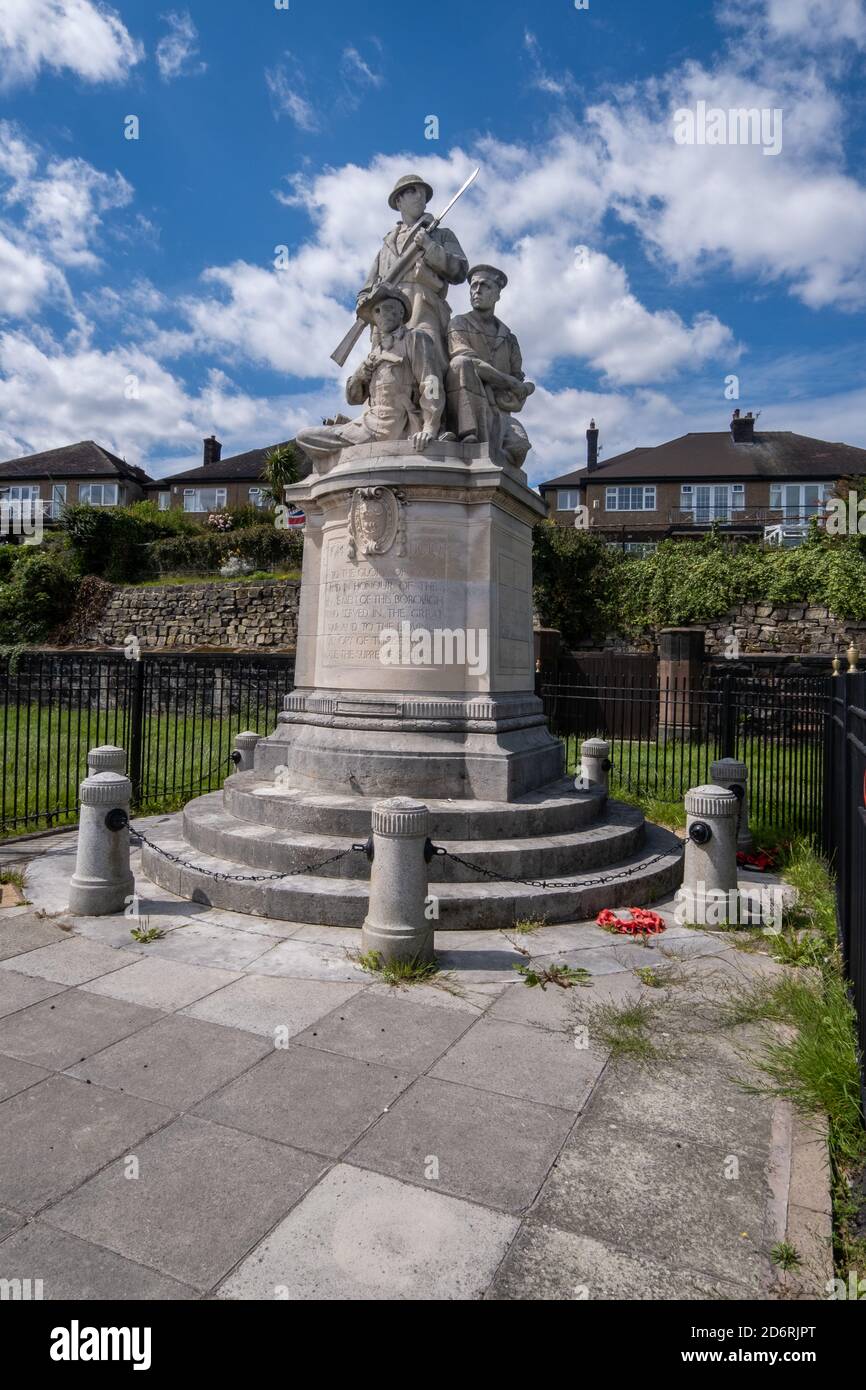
[399,270]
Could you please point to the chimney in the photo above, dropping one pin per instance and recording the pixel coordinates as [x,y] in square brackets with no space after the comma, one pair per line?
[743,428]
[591,447]
[212,450]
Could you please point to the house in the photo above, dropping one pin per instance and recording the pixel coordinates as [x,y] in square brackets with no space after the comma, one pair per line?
[217,482]
[83,472]
[745,482]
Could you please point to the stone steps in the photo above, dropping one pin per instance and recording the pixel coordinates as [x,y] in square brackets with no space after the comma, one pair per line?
[613,836]
[554,810]
[654,871]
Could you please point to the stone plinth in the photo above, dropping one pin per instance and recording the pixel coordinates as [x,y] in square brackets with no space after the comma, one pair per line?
[415,664]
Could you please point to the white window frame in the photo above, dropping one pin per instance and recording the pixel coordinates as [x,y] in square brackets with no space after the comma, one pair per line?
[192,499]
[798,510]
[164,500]
[108,494]
[21,499]
[259,496]
[719,501]
[613,497]
[567,492]
[58,501]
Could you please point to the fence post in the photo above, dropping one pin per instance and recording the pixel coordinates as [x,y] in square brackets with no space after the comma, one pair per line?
[136,730]
[728,720]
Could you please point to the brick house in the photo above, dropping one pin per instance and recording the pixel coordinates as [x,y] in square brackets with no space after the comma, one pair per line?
[83,472]
[216,483]
[749,484]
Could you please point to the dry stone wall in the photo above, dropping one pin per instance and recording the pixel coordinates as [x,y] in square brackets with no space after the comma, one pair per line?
[240,617]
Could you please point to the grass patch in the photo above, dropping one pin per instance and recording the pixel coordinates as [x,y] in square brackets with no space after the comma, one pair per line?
[396,972]
[525,926]
[624,1029]
[785,1256]
[15,876]
[213,577]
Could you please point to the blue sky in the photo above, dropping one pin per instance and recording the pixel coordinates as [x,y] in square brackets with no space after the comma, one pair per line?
[139,300]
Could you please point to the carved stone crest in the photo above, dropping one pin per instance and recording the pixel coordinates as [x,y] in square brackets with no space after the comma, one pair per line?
[376,521]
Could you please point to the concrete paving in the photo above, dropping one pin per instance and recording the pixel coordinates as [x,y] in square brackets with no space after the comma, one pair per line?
[237,1110]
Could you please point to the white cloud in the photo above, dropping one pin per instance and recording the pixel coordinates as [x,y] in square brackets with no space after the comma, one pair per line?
[25,279]
[802,21]
[559,85]
[84,37]
[177,50]
[61,208]
[355,69]
[287,85]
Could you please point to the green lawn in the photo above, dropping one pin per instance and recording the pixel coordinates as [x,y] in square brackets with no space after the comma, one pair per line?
[45,757]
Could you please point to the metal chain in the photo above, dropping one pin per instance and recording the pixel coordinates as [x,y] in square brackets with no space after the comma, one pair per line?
[551,883]
[238,878]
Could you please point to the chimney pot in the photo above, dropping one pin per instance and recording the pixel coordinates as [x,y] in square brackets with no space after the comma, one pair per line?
[592,447]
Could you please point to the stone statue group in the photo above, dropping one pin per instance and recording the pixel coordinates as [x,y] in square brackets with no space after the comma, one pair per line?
[429,376]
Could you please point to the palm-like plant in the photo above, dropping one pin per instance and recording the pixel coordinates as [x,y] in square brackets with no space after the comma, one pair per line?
[280,469]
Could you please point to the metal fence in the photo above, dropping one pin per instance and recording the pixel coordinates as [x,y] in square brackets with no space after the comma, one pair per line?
[175,714]
[665,736]
[845,831]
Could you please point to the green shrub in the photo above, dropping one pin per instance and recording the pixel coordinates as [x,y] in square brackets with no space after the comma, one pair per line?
[574,581]
[110,541]
[37,596]
[265,547]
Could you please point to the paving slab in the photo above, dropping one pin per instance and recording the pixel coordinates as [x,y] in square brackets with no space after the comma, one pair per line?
[175,1062]
[16,1076]
[64,1030]
[117,930]
[492,1149]
[19,991]
[659,1198]
[162,984]
[26,932]
[74,1269]
[59,1132]
[548,1264]
[70,962]
[376,1028]
[204,1196]
[264,1003]
[309,960]
[9,1221]
[552,1008]
[245,921]
[205,944]
[359,1235]
[494,965]
[515,1059]
[313,1100]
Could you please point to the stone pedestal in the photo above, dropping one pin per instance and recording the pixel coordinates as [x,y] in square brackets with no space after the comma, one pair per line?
[710,871]
[733,774]
[415,665]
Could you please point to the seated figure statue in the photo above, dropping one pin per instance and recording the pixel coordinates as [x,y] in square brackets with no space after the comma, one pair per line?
[399,380]
[485,383]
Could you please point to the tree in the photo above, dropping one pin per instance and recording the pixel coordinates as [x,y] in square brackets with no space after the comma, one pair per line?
[280,469]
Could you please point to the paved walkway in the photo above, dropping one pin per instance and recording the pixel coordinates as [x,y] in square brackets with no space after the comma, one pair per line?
[238,1110]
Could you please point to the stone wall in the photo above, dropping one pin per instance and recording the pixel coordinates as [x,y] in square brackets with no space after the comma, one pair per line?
[798,628]
[262,616]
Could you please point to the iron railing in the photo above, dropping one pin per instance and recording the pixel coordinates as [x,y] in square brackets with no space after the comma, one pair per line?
[666,736]
[175,714]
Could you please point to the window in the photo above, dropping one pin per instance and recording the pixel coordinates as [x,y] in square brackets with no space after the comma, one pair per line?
[259,497]
[21,500]
[630,499]
[98,494]
[639,548]
[566,499]
[709,502]
[164,501]
[204,499]
[58,501]
[798,502]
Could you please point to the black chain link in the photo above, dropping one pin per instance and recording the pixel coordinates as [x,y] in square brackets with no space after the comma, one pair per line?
[238,878]
[556,882]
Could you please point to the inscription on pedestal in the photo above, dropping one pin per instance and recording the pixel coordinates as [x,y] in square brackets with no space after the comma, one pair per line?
[361,599]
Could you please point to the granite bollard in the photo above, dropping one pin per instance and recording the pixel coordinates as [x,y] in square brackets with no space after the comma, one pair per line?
[102,880]
[594,764]
[733,774]
[396,925]
[106,758]
[245,745]
[711,849]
